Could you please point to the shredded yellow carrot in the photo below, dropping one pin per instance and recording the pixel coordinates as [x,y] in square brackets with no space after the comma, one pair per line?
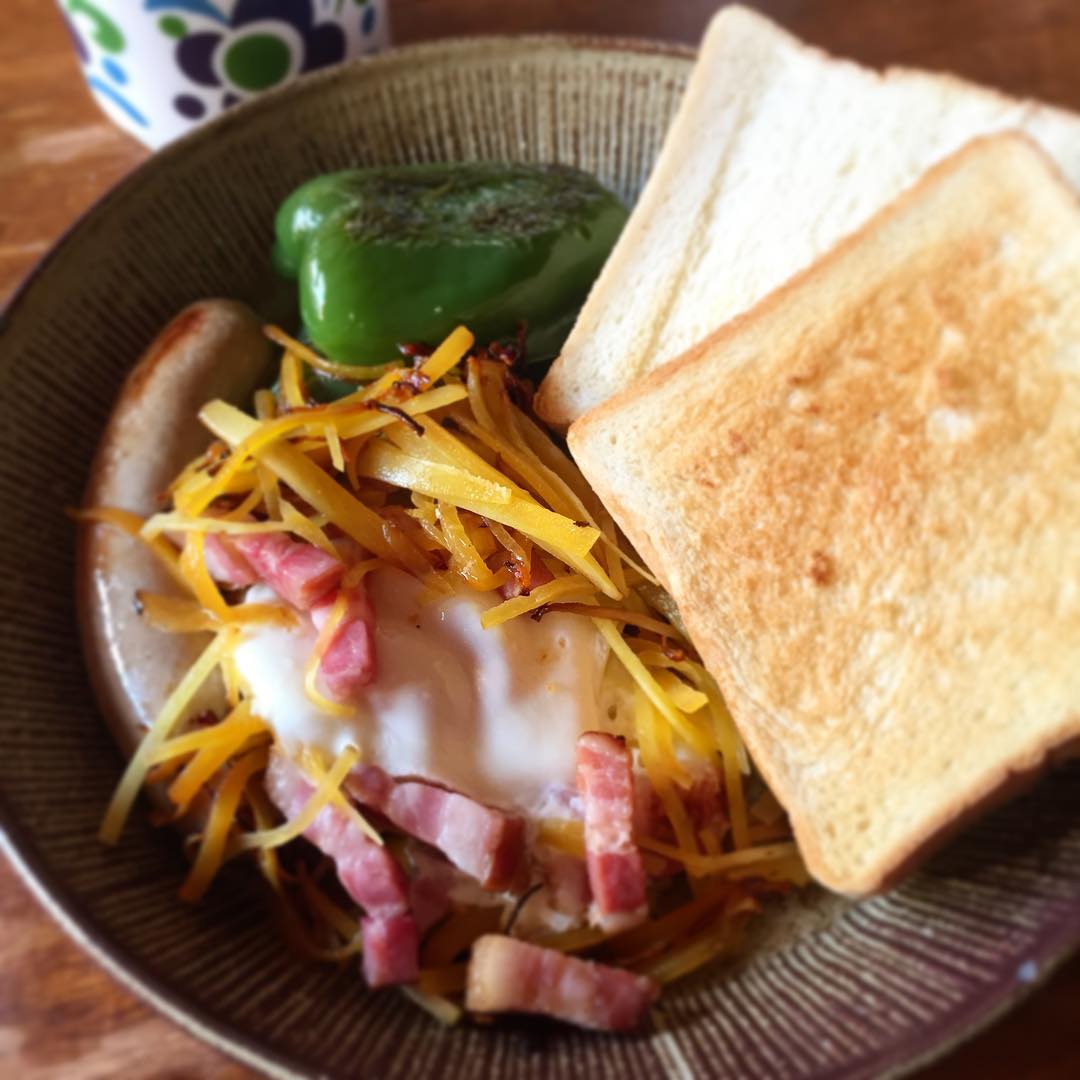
[193,566]
[725,735]
[292,381]
[320,491]
[442,980]
[728,740]
[663,769]
[643,939]
[687,730]
[333,441]
[337,918]
[720,864]
[520,551]
[353,424]
[252,500]
[479,533]
[528,472]
[347,372]
[178,615]
[222,818]
[180,523]
[572,941]
[446,1012]
[132,524]
[563,834]
[676,963]
[307,528]
[264,814]
[223,741]
[328,786]
[562,537]
[322,643]
[386,462]
[541,596]
[211,735]
[465,559]
[631,618]
[458,932]
[171,714]
[448,355]
[312,765]
[684,697]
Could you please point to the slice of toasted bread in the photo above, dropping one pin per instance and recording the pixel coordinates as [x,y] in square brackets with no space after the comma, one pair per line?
[777,152]
[864,496]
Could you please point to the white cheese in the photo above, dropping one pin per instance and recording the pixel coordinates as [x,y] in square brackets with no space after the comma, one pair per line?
[494,714]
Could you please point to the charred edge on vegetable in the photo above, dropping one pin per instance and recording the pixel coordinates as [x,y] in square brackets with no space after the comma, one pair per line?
[393,410]
[415,350]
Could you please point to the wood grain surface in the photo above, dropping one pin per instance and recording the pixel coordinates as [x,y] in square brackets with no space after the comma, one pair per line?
[60,1016]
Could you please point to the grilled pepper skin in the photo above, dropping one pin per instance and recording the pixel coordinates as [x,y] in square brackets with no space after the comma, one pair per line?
[389,255]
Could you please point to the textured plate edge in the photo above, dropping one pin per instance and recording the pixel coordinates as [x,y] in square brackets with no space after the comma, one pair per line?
[1059,947]
[63,908]
[238,115]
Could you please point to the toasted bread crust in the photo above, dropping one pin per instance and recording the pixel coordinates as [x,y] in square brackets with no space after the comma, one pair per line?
[864,496]
[778,150]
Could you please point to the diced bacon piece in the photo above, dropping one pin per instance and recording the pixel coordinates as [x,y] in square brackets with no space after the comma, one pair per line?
[508,975]
[370,785]
[433,881]
[225,563]
[368,873]
[299,572]
[567,883]
[391,946]
[649,817]
[616,873]
[486,844]
[703,800]
[539,575]
[348,665]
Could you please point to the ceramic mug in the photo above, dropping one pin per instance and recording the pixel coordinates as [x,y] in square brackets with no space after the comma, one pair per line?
[159,67]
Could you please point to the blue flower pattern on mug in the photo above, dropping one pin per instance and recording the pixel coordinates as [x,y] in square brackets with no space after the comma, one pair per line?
[259,45]
[83,15]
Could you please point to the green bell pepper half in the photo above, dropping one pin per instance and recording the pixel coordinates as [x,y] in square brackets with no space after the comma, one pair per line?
[389,255]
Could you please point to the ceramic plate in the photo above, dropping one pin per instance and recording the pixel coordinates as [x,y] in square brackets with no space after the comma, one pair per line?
[828,989]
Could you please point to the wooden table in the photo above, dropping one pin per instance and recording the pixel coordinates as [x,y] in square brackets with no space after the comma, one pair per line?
[60,1016]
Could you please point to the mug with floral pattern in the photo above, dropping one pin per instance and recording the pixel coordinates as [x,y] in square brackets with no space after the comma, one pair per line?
[159,67]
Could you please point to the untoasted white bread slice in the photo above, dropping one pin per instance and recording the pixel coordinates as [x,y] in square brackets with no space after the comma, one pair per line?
[864,497]
[776,153]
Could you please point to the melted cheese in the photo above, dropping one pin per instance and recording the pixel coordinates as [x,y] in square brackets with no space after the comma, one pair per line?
[494,714]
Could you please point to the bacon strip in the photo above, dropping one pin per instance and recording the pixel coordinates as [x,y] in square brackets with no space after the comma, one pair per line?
[432,883]
[486,844]
[225,564]
[297,571]
[348,665]
[368,873]
[539,575]
[567,883]
[616,874]
[508,975]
